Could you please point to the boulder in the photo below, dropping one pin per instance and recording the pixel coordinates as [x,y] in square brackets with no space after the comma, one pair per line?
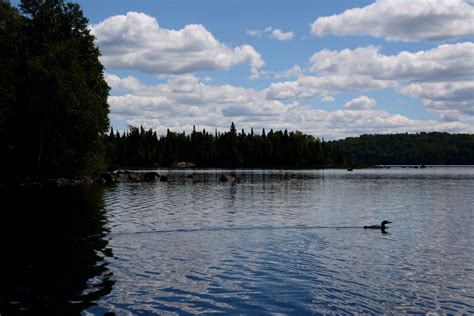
[100,180]
[229,178]
[107,176]
[185,164]
[150,176]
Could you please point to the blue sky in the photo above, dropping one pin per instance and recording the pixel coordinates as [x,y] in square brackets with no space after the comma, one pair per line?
[328,68]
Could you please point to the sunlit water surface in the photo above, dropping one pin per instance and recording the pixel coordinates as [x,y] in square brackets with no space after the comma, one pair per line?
[279,241]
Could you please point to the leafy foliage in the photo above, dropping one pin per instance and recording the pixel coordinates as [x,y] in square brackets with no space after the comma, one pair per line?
[54,96]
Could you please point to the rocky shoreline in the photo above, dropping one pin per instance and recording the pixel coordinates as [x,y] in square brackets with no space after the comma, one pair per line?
[103,178]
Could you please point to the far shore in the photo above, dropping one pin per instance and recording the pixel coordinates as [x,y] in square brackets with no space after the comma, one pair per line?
[150,174]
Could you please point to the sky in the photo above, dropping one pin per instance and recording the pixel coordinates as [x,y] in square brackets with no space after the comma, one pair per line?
[331,69]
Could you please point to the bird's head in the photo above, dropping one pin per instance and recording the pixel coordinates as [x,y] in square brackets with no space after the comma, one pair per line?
[385,223]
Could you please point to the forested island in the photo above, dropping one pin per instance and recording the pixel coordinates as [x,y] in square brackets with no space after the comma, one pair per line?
[272,149]
[54,115]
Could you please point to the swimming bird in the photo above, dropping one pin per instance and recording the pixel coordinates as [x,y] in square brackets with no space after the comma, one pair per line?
[382,226]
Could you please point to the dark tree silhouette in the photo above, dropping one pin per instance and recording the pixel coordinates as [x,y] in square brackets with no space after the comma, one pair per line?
[141,148]
[55,106]
[409,149]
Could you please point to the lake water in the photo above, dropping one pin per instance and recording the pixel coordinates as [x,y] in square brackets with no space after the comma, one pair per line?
[288,242]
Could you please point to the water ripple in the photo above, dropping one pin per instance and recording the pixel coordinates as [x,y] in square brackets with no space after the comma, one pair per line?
[290,242]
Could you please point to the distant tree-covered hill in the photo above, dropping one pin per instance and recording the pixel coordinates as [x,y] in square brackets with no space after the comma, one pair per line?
[399,149]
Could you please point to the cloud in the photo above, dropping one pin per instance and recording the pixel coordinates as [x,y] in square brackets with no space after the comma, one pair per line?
[402,20]
[443,77]
[282,36]
[123,84]
[294,71]
[270,32]
[328,99]
[183,101]
[445,62]
[136,41]
[259,33]
[366,68]
[361,103]
[452,99]
[319,86]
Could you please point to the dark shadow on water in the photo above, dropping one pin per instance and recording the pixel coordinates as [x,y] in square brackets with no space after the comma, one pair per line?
[53,250]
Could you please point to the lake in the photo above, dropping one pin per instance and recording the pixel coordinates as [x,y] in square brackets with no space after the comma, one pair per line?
[280,241]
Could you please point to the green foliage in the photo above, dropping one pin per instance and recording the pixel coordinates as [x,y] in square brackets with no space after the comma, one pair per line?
[11,53]
[142,148]
[409,149]
[57,103]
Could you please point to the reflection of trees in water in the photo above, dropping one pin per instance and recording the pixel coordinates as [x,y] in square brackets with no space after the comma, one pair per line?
[54,250]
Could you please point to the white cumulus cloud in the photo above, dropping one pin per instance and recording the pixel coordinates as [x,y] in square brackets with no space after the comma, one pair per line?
[442,77]
[360,103]
[136,41]
[402,20]
[319,86]
[449,98]
[184,100]
[444,62]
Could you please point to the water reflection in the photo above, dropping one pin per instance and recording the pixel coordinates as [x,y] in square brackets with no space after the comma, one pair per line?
[278,242]
[53,250]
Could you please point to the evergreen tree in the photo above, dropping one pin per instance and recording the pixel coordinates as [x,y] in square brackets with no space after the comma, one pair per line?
[11,55]
[141,148]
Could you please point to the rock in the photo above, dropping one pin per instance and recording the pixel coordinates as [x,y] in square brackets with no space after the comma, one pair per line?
[101,178]
[107,177]
[132,176]
[122,176]
[50,182]
[86,180]
[229,178]
[100,181]
[57,182]
[185,165]
[63,182]
[150,176]
[17,181]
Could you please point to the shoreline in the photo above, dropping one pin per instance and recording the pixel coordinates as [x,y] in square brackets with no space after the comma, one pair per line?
[151,174]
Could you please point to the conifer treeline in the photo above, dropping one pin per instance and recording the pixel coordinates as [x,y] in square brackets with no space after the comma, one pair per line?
[138,147]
